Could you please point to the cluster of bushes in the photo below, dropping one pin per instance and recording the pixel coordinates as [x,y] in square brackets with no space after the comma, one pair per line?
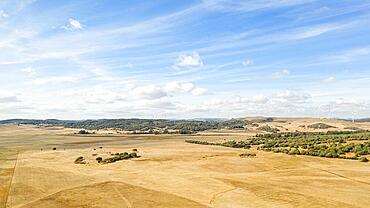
[247,155]
[331,144]
[268,129]
[353,128]
[85,132]
[233,144]
[320,126]
[117,157]
[80,160]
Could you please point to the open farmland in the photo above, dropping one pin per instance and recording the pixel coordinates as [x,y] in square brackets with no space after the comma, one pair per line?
[170,172]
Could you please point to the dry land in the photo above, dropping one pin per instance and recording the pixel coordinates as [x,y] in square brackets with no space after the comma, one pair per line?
[171,172]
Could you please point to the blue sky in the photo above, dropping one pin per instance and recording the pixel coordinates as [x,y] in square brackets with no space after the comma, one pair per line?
[184,59]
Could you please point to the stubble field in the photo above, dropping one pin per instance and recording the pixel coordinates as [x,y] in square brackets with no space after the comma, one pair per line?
[169,173]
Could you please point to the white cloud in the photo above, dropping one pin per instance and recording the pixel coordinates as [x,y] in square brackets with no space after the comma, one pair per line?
[261,99]
[159,104]
[148,92]
[315,31]
[247,62]
[280,74]
[29,70]
[179,87]
[128,65]
[73,24]
[350,55]
[193,60]
[3,14]
[54,79]
[257,99]
[289,96]
[329,80]
[9,99]
[95,95]
[249,6]
[199,91]
[184,87]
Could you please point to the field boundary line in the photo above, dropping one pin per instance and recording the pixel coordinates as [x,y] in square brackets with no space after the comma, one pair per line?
[216,195]
[342,176]
[11,181]
[128,203]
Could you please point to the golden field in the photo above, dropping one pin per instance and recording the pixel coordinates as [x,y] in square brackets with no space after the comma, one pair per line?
[170,172]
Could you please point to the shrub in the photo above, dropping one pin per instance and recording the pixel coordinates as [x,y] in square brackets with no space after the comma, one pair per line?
[247,155]
[364,159]
[99,159]
[80,160]
[54,148]
[83,132]
[133,154]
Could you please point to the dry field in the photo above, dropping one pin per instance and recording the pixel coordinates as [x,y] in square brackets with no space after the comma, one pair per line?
[169,173]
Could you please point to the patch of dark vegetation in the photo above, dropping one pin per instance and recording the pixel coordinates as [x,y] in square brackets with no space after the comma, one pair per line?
[268,129]
[99,159]
[233,144]
[320,126]
[142,126]
[248,155]
[85,132]
[119,156]
[363,120]
[80,160]
[54,148]
[353,128]
[52,122]
[331,144]
[364,159]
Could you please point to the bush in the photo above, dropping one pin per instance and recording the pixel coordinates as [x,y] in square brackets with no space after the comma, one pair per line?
[80,160]
[83,132]
[54,148]
[364,159]
[99,159]
[247,155]
[133,155]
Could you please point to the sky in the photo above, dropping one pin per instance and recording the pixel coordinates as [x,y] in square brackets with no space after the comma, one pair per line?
[91,59]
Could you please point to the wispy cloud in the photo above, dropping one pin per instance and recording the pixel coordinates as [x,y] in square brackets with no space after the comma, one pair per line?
[9,99]
[280,74]
[30,71]
[235,53]
[72,25]
[329,80]
[247,62]
[350,55]
[54,80]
